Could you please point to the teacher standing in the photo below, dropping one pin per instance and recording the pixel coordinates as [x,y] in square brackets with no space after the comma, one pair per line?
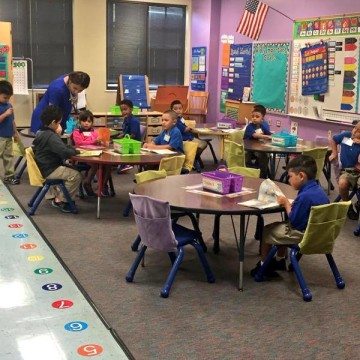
[62,92]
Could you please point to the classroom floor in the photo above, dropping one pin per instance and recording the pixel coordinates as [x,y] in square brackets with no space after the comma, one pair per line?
[44,314]
[200,320]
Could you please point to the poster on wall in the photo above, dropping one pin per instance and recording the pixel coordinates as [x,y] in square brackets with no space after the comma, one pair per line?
[314,69]
[223,96]
[343,80]
[239,70]
[20,76]
[270,75]
[4,69]
[198,68]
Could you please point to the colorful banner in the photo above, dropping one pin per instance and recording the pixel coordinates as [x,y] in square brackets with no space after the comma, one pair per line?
[270,75]
[327,26]
[314,60]
[198,68]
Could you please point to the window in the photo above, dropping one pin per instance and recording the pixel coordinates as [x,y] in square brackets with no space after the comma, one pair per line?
[145,39]
[42,31]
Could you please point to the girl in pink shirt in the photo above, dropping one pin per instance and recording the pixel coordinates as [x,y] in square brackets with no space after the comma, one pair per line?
[88,135]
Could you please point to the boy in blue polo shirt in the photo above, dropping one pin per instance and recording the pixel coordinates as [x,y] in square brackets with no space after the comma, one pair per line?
[186,131]
[258,129]
[302,173]
[170,137]
[7,132]
[131,127]
[349,142]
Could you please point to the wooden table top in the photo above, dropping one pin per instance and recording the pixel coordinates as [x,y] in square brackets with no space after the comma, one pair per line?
[141,113]
[265,146]
[172,189]
[110,158]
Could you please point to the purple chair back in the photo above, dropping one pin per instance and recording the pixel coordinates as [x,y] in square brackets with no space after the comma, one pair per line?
[153,221]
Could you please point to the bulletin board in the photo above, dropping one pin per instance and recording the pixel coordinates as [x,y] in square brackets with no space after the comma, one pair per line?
[134,88]
[341,34]
[270,74]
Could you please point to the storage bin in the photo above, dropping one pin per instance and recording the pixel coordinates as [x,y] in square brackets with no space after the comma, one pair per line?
[115,110]
[222,182]
[126,145]
[284,139]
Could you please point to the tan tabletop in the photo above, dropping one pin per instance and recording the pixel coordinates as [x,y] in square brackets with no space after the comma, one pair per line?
[109,158]
[172,189]
[209,130]
[302,145]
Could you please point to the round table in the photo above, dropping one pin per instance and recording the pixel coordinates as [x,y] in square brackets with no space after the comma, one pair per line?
[302,145]
[173,189]
[111,158]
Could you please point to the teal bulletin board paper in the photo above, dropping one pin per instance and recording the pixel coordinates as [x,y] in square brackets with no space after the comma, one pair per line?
[270,75]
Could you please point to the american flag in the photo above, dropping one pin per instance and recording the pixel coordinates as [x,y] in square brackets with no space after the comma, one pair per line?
[252,21]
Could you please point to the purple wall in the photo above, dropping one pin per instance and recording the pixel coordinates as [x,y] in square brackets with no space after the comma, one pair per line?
[276,27]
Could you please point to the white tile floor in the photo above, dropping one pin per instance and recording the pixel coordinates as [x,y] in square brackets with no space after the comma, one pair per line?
[43,314]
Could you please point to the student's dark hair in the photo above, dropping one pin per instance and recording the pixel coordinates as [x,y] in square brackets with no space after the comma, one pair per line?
[175,102]
[50,114]
[260,108]
[172,113]
[128,103]
[303,163]
[86,114]
[80,78]
[6,88]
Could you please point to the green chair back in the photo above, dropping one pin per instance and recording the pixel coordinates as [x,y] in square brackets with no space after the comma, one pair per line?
[245,171]
[234,154]
[172,165]
[149,175]
[318,154]
[190,149]
[236,136]
[325,223]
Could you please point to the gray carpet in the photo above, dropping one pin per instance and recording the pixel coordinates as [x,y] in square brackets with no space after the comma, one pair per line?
[268,320]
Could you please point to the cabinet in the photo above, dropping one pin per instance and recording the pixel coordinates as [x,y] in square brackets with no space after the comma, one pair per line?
[153,127]
[238,110]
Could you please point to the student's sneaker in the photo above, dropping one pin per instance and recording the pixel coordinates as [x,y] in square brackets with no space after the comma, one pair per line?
[88,190]
[56,204]
[105,192]
[278,264]
[352,214]
[123,168]
[62,206]
[65,207]
[269,273]
[11,181]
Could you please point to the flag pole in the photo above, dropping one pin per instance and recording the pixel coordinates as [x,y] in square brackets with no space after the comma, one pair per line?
[281,13]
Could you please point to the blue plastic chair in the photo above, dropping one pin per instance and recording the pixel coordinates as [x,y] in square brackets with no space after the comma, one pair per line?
[324,225]
[43,185]
[159,232]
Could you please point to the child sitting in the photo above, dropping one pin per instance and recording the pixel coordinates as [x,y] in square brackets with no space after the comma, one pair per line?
[131,127]
[7,132]
[170,137]
[302,173]
[186,132]
[88,135]
[349,153]
[258,129]
[50,154]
